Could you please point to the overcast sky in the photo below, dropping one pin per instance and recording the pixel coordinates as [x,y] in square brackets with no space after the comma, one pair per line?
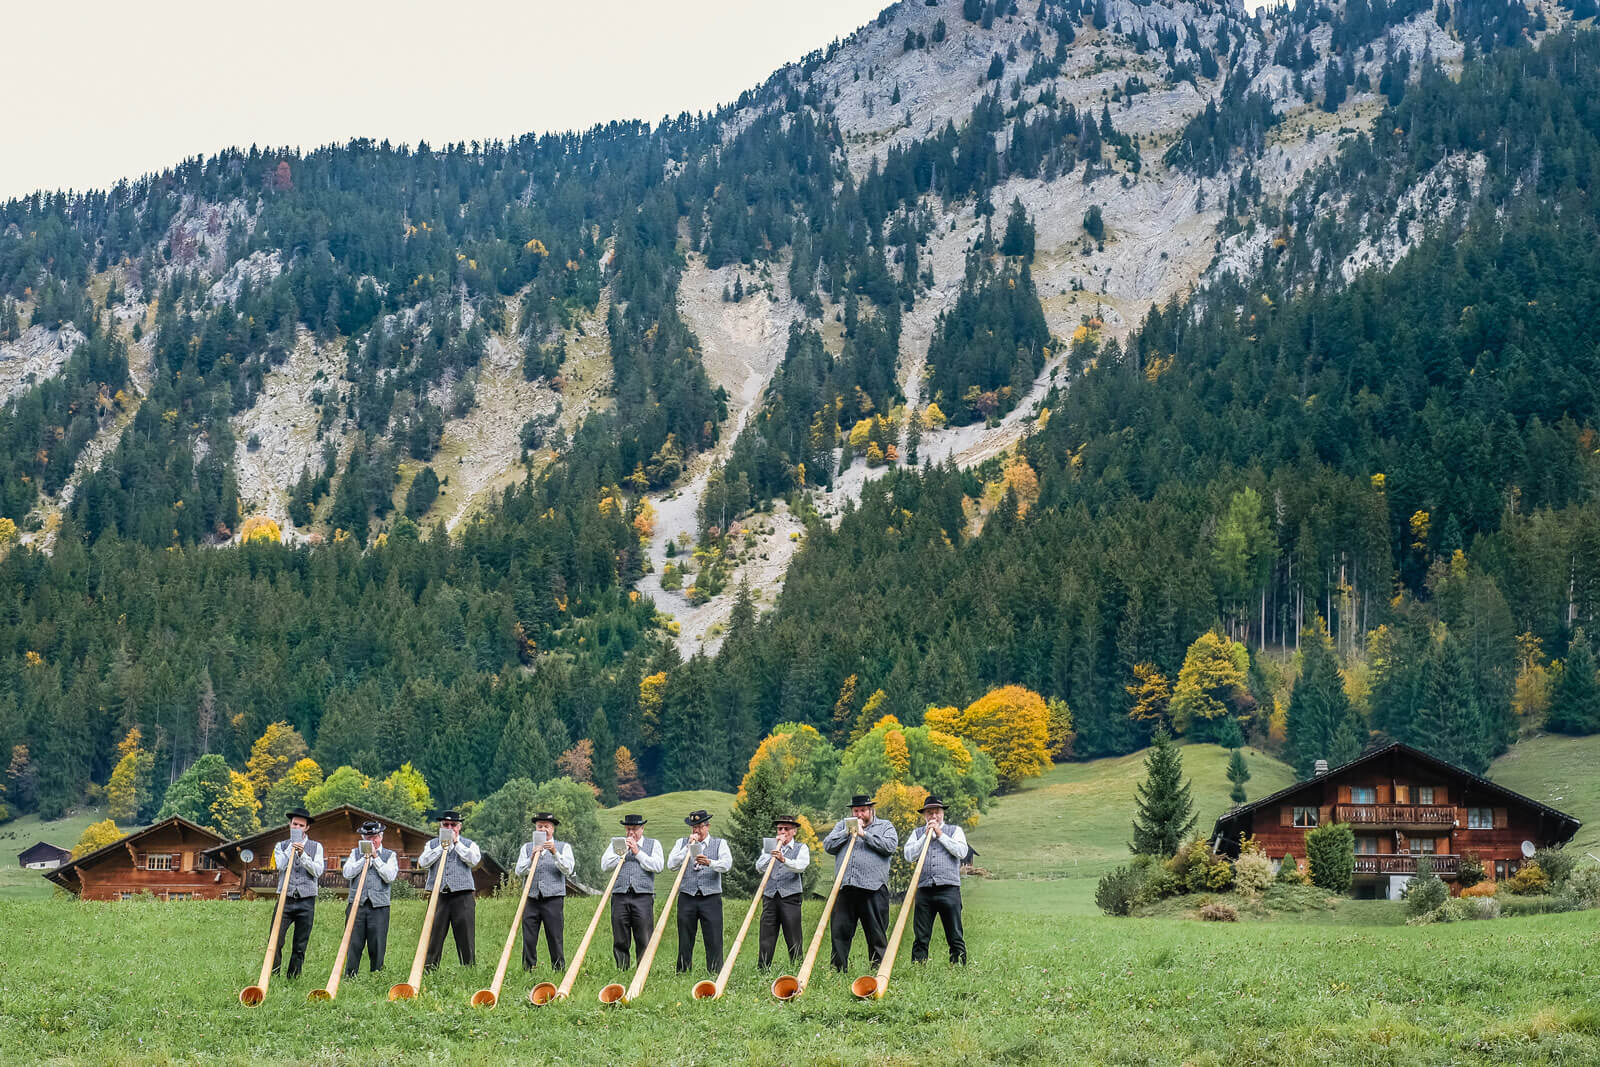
[98,90]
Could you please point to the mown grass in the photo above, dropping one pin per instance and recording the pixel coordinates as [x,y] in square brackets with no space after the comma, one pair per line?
[1076,820]
[152,982]
[665,812]
[1561,772]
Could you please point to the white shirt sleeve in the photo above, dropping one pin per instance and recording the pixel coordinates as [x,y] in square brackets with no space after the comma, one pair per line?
[762,859]
[470,853]
[430,854]
[650,856]
[723,861]
[314,865]
[609,858]
[801,861]
[564,860]
[387,869]
[352,866]
[914,843]
[280,856]
[679,853]
[524,860]
[955,841]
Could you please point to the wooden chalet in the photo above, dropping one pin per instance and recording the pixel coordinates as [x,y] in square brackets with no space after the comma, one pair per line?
[248,860]
[167,860]
[43,856]
[1402,804]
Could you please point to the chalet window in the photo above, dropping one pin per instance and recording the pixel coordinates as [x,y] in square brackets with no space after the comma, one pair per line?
[160,861]
[180,896]
[1363,794]
[124,896]
[1422,846]
[1480,818]
[1305,816]
[1366,846]
[233,896]
[1425,794]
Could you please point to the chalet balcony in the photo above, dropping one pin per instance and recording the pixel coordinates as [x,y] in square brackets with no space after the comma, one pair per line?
[1398,816]
[261,879]
[1444,865]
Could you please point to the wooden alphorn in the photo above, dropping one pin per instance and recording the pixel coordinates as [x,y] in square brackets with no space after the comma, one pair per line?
[488,998]
[707,989]
[787,987]
[612,993]
[874,986]
[413,984]
[251,995]
[545,992]
[331,990]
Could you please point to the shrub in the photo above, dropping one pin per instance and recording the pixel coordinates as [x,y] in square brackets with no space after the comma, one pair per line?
[1117,890]
[1481,889]
[1219,876]
[1219,912]
[1426,892]
[1331,855]
[1159,884]
[1532,905]
[1252,873]
[1556,864]
[1454,911]
[1583,886]
[1289,872]
[1530,881]
[1471,870]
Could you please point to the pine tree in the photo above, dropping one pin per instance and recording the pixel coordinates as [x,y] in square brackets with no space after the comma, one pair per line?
[1238,774]
[757,804]
[1166,814]
[1575,699]
[605,770]
[1318,706]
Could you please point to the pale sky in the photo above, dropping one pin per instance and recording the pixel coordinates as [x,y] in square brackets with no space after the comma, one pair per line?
[104,89]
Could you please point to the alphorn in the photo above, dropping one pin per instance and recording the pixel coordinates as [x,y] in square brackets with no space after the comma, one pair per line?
[787,987]
[331,990]
[869,986]
[251,995]
[613,993]
[545,992]
[705,989]
[413,984]
[488,998]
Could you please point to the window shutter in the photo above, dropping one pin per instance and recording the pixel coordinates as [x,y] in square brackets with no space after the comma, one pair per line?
[1385,846]
[1500,818]
[1441,795]
[1402,794]
[1325,815]
[1344,794]
[1442,846]
[1286,815]
[1383,794]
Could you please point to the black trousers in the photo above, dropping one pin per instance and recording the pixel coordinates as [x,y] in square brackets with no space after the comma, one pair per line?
[945,902]
[298,912]
[869,907]
[458,912]
[371,932]
[705,914]
[778,912]
[633,917]
[548,912]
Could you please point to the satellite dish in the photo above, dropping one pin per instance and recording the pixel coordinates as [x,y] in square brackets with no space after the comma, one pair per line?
[246,855]
[1528,849]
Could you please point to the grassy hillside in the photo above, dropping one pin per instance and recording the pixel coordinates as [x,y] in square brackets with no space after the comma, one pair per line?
[665,812]
[1560,772]
[18,834]
[1075,821]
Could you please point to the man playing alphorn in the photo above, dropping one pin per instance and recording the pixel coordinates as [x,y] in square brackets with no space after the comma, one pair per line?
[547,897]
[371,927]
[939,888]
[457,896]
[633,901]
[864,892]
[780,905]
[700,895]
[300,860]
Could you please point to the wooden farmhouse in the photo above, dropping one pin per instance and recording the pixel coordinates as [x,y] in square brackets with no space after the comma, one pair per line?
[1402,804]
[248,860]
[43,856]
[167,861]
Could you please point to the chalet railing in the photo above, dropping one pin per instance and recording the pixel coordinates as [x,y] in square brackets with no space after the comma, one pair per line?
[1406,863]
[1395,814]
[261,878]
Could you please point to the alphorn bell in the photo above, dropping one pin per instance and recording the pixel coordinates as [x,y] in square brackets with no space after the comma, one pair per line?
[331,990]
[705,989]
[787,987]
[613,993]
[869,986]
[251,995]
[545,992]
[413,984]
[488,998]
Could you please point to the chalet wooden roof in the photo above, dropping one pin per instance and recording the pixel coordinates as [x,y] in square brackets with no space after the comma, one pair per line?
[1566,824]
[354,816]
[41,850]
[64,874]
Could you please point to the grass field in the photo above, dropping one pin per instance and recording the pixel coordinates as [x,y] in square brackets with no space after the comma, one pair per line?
[665,812]
[1563,772]
[16,835]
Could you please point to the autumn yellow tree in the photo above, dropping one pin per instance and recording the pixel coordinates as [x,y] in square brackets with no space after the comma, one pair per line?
[901,804]
[868,716]
[652,694]
[1151,693]
[96,835]
[290,790]
[628,785]
[260,528]
[1020,478]
[128,792]
[1062,734]
[1011,724]
[279,747]
[236,812]
[1211,681]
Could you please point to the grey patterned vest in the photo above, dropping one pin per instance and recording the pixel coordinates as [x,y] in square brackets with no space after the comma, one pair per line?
[375,894]
[548,880]
[634,878]
[301,884]
[783,882]
[457,875]
[701,881]
[941,867]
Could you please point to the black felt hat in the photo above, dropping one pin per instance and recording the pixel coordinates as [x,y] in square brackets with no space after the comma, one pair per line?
[545,816]
[786,820]
[450,815]
[298,813]
[861,800]
[932,802]
[698,816]
[631,819]
[371,827]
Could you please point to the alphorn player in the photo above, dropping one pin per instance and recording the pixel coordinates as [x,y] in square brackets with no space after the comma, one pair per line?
[633,901]
[939,888]
[864,892]
[700,895]
[300,860]
[457,896]
[371,929]
[780,906]
[548,895]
